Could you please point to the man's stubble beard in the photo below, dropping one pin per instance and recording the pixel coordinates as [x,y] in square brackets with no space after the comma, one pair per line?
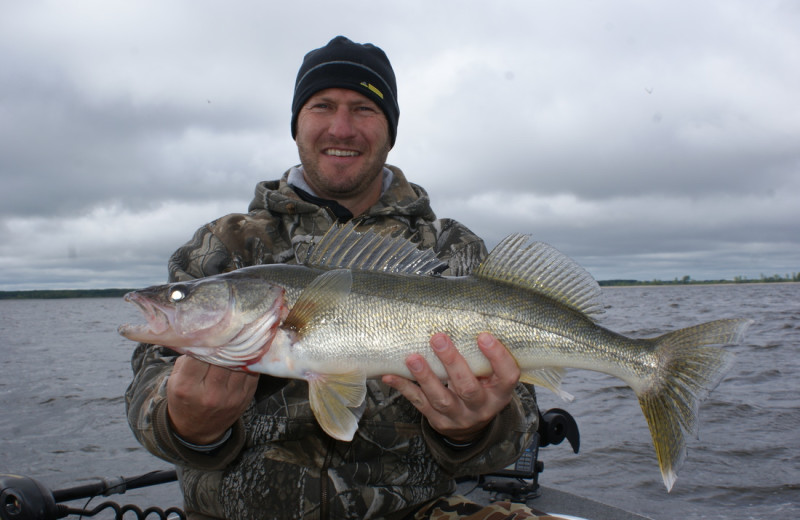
[328,184]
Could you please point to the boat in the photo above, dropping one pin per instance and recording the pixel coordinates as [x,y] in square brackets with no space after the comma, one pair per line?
[24,498]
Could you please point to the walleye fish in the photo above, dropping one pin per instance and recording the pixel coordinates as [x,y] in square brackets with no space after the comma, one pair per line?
[359,303]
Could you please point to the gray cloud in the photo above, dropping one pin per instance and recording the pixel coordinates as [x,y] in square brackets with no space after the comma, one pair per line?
[647,141]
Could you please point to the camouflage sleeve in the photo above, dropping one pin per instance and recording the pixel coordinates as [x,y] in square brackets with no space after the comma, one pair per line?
[205,254]
[505,440]
[146,404]
[145,397]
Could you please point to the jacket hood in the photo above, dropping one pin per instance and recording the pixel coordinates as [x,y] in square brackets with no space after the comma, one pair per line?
[402,198]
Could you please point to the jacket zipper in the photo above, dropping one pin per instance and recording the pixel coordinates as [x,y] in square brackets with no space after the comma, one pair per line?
[324,492]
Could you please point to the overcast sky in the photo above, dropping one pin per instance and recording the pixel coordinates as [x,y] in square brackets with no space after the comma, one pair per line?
[645,139]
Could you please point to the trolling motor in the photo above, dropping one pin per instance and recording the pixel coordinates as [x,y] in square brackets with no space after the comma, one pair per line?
[555,425]
[23,498]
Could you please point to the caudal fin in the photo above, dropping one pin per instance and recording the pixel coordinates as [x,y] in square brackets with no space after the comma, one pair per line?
[688,371]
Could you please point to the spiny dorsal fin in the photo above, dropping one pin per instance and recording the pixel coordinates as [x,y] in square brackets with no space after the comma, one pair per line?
[324,293]
[342,247]
[541,268]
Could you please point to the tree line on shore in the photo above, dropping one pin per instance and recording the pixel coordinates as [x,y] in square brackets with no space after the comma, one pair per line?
[51,294]
[687,280]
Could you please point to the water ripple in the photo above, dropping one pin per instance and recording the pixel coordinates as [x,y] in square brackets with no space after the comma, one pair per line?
[65,414]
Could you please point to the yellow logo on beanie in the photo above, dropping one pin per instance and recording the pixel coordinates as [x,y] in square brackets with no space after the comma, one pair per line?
[372,88]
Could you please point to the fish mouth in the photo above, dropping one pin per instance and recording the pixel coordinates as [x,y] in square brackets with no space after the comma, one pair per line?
[157,320]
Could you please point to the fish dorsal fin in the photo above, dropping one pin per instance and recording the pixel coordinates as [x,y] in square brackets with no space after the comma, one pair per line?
[541,268]
[342,247]
[326,292]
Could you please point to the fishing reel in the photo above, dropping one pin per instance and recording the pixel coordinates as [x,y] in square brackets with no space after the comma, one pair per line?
[23,498]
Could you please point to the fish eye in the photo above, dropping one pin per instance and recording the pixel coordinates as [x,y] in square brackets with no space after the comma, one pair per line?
[177,294]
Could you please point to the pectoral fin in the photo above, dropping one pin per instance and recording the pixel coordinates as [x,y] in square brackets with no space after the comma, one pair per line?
[324,294]
[336,400]
[549,378]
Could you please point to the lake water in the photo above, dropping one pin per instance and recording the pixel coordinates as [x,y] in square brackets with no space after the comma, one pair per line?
[64,370]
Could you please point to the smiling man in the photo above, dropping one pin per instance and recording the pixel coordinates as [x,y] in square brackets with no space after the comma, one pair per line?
[248,446]
[343,140]
[344,120]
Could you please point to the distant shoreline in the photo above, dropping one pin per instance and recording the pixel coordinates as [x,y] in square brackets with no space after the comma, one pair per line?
[614,283]
[53,294]
[657,283]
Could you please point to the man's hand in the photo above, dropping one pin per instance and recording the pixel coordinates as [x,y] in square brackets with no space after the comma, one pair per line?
[466,405]
[204,400]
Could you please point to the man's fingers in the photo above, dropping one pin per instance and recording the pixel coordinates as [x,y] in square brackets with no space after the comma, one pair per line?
[204,400]
[504,367]
[190,367]
[463,406]
[445,350]
[245,380]
[217,377]
[410,391]
[245,384]
[212,376]
[461,380]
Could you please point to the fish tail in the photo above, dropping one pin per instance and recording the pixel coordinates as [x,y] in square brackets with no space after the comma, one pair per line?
[687,371]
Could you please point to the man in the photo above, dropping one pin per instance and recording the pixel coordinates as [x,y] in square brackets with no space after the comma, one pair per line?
[248,446]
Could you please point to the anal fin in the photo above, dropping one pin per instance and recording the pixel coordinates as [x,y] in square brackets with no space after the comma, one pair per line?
[550,378]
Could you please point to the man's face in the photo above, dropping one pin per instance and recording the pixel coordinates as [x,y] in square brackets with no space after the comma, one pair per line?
[343,141]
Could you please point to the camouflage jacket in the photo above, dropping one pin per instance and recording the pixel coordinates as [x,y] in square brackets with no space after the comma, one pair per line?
[278,463]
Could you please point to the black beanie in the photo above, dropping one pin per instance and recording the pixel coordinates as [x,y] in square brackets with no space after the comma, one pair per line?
[342,63]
